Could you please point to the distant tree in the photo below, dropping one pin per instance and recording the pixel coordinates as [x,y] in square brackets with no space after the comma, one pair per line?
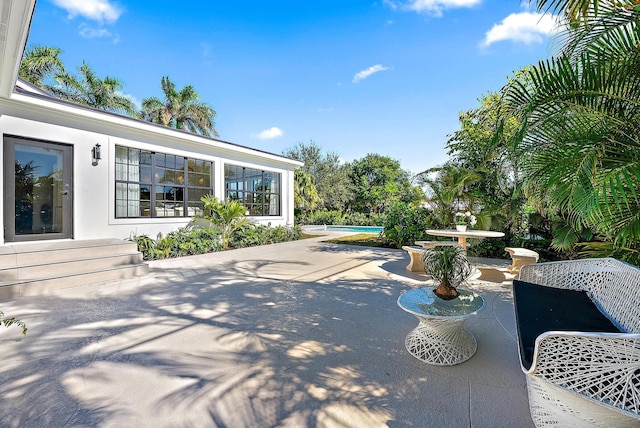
[379,181]
[89,90]
[40,64]
[180,109]
[485,162]
[329,174]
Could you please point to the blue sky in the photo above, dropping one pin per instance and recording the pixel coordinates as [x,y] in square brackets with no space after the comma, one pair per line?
[355,76]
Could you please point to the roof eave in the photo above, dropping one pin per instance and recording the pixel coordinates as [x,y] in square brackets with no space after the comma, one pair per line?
[75,111]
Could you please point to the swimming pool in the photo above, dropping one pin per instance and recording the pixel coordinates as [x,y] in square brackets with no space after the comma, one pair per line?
[351,229]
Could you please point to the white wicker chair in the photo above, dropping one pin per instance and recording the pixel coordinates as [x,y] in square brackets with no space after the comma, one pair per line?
[581,379]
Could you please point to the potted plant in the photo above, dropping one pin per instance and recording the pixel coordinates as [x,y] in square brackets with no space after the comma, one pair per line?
[465,219]
[448,266]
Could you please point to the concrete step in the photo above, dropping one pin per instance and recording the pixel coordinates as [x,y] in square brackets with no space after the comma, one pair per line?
[40,267]
[48,286]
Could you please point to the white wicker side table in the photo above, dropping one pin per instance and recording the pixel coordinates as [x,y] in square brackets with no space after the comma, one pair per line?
[440,337]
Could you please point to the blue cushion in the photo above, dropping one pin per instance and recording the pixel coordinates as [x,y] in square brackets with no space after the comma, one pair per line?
[540,309]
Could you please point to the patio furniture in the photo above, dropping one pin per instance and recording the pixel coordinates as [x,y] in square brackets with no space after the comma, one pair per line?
[521,257]
[415,258]
[440,337]
[578,326]
[432,244]
[416,252]
[463,235]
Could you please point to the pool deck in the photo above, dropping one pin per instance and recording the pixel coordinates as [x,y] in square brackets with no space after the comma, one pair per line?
[299,334]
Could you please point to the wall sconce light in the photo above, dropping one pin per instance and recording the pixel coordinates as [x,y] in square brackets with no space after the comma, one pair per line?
[95,154]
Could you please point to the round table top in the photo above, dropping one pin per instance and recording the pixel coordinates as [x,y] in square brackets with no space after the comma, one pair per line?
[467,234]
[422,302]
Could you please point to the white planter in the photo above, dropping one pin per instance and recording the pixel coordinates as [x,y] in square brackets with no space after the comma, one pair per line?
[461,227]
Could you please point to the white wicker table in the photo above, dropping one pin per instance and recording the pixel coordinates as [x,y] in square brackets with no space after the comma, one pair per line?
[440,337]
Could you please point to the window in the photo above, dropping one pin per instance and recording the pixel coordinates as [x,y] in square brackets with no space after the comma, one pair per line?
[150,184]
[257,190]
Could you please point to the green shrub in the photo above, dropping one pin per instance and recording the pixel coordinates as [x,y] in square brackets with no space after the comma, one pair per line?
[405,224]
[341,218]
[361,219]
[192,240]
[326,217]
[253,235]
[182,242]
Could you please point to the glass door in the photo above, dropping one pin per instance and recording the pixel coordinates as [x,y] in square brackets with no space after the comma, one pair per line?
[38,190]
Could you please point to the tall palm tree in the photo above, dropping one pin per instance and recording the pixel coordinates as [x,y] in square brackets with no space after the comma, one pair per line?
[180,109]
[580,122]
[305,193]
[88,89]
[40,63]
[450,190]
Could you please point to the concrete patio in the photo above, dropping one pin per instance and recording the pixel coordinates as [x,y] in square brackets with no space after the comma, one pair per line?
[299,334]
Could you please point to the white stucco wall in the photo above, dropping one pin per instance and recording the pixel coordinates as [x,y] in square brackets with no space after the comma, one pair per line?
[94,185]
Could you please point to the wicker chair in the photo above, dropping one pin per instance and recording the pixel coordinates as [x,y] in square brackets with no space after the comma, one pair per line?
[581,379]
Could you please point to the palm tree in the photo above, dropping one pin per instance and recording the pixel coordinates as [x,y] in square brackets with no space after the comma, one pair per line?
[180,109]
[89,90]
[450,190]
[40,63]
[580,122]
[305,193]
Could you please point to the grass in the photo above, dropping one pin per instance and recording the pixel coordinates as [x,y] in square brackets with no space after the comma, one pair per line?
[362,239]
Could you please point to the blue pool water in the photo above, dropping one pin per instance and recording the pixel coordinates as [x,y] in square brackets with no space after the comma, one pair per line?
[354,229]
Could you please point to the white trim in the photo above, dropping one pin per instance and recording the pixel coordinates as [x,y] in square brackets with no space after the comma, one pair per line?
[40,108]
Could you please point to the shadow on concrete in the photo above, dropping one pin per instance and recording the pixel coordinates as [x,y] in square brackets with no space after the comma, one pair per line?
[235,346]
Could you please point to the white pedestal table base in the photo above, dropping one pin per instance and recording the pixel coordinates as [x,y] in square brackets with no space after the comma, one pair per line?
[442,342]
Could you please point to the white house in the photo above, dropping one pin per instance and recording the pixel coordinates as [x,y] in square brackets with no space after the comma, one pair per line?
[75,173]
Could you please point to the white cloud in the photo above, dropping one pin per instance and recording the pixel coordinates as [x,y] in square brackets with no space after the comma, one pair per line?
[133,99]
[92,33]
[269,134]
[95,10]
[361,75]
[431,7]
[523,27]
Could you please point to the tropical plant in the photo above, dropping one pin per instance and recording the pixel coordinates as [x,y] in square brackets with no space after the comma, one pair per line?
[40,64]
[89,90]
[405,224]
[579,138]
[484,146]
[184,241]
[180,109]
[9,321]
[305,193]
[227,215]
[448,266]
[449,190]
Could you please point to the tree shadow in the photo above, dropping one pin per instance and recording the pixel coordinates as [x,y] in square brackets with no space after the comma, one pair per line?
[226,347]
[234,349]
